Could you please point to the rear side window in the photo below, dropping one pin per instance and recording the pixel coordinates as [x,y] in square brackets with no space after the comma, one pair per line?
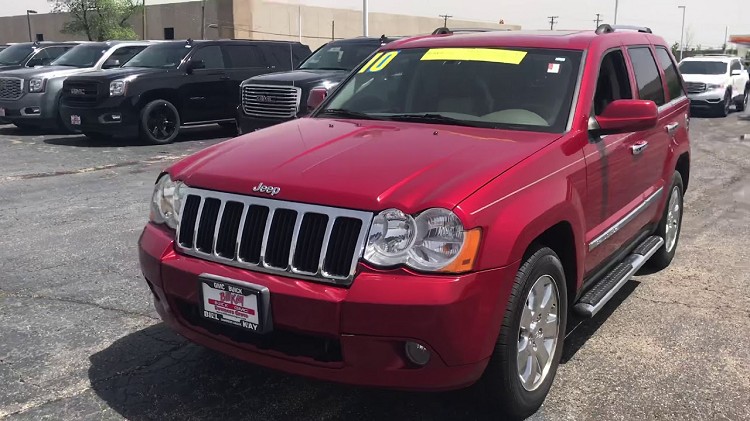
[211,56]
[245,56]
[674,84]
[736,65]
[647,75]
[278,55]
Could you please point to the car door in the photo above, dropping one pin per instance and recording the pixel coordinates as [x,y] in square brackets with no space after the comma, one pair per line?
[612,168]
[204,93]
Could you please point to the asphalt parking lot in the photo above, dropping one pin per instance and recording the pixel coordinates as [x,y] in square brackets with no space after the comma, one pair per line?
[79,339]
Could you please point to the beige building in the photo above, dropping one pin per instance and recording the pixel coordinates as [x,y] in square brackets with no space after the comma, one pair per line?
[245,19]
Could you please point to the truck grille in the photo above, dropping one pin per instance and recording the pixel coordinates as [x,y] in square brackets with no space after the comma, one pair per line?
[696,87]
[293,239]
[80,93]
[270,101]
[11,88]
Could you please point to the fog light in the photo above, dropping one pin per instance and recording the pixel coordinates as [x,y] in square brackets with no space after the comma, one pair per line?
[417,354]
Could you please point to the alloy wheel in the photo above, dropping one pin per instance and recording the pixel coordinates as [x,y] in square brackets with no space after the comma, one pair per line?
[161,122]
[538,333]
[674,214]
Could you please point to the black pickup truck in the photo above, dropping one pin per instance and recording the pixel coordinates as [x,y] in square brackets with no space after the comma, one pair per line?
[277,97]
[169,85]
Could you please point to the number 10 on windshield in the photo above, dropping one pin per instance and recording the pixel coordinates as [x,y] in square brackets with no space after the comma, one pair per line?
[379,61]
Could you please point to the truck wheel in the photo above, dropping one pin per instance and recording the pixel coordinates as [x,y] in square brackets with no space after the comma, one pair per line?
[722,110]
[742,105]
[528,349]
[669,226]
[160,122]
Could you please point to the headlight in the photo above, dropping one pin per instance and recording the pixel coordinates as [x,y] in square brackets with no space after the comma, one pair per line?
[715,86]
[166,201]
[36,85]
[433,241]
[117,88]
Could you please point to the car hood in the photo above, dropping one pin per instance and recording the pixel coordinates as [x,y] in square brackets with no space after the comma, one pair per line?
[119,73]
[368,165]
[714,79]
[46,72]
[10,67]
[300,77]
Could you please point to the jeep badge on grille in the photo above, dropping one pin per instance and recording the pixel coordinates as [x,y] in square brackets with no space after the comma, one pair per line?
[261,188]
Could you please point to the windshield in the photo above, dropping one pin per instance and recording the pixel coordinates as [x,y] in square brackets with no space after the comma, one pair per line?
[164,56]
[703,68]
[81,56]
[343,56]
[529,89]
[15,54]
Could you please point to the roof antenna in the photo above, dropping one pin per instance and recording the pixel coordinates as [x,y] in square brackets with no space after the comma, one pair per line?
[382,39]
[189,41]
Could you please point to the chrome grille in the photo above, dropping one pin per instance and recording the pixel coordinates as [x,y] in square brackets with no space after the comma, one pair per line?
[696,87]
[272,236]
[11,88]
[270,101]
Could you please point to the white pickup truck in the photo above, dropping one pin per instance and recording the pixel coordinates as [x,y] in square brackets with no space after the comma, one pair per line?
[714,82]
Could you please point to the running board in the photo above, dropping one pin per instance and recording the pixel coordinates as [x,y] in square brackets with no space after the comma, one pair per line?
[603,291]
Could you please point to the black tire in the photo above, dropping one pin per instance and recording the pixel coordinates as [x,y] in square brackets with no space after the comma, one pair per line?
[232,126]
[742,105]
[500,387]
[722,110]
[159,122]
[663,257]
[97,136]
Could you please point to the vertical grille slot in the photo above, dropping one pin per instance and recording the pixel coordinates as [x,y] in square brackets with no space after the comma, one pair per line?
[187,224]
[252,234]
[341,247]
[310,242]
[230,223]
[207,225]
[280,238]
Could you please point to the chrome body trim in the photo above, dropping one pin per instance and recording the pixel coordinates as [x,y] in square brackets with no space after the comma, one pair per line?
[626,219]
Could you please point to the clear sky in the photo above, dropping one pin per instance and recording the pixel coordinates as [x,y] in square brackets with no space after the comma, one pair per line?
[706,19]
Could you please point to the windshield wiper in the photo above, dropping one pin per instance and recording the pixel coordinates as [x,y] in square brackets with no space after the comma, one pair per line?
[433,118]
[347,113]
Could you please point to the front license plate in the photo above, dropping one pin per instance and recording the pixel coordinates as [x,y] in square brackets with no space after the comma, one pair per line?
[75,120]
[2,112]
[232,304]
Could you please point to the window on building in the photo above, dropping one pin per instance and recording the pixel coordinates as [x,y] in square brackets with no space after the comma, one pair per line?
[40,37]
[674,85]
[168,33]
[647,75]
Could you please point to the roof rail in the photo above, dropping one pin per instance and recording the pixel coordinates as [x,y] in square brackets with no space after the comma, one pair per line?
[447,31]
[606,28]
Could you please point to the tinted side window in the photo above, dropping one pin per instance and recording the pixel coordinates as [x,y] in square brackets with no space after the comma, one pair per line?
[210,55]
[245,56]
[613,82]
[278,56]
[736,65]
[647,75]
[674,84]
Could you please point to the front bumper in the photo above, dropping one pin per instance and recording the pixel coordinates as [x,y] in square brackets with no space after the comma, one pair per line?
[31,108]
[709,99]
[101,117]
[361,330]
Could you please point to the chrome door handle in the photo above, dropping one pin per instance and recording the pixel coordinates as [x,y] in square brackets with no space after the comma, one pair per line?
[639,147]
[671,128]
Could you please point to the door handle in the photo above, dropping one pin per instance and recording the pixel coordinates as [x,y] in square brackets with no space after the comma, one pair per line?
[672,128]
[639,147]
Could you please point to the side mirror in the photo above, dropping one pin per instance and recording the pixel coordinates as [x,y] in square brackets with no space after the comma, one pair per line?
[195,65]
[625,116]
[317,95]
[111,64]
[737,72]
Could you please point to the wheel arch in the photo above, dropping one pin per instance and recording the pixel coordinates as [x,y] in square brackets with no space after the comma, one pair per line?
[170,95]
[683,167]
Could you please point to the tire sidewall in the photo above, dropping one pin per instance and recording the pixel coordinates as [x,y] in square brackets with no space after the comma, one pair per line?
[662,258]
[144,121]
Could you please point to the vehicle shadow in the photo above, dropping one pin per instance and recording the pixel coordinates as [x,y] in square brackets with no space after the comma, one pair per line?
[579,329]
[155,374]
[189,134]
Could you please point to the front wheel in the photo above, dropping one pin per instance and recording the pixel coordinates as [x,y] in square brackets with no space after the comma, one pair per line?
[160,122]
[528,350]
[722,109]
[742,105]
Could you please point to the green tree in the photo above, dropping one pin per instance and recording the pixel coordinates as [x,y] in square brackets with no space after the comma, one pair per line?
[676,49]
[99,20]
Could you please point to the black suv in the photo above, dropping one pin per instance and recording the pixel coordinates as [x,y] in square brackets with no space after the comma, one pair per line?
[171,84]
[274,98]
[31,54]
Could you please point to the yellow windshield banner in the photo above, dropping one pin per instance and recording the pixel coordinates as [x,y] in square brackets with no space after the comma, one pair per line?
[379,61]
[475,54]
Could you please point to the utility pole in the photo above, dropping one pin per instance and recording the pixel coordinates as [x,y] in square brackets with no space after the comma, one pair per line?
[203,18]
[28,21]
[617,4]
[726,33]
[445,20]
[365,15]
[598,19]
[682,34]
[552,22]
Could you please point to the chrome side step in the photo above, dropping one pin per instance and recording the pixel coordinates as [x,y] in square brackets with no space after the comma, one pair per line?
[603,291]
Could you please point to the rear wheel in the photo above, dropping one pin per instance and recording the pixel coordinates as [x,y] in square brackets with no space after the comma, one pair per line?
[160,122]
[669,226]
[527,353]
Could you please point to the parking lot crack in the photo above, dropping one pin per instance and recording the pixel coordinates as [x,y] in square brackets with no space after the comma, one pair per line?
[79,302]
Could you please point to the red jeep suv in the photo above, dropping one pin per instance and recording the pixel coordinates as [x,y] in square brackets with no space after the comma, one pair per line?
[433,223]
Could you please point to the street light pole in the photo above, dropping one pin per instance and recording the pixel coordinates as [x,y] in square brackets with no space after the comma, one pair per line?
[617,4]
[365,16]
[682,33]
[28,21]
[203,19]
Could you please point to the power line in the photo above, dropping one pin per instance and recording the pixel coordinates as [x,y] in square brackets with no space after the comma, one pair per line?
[552,22]
[445,21]
[598,19]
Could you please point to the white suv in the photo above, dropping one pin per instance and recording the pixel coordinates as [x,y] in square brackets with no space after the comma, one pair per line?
[714,82]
